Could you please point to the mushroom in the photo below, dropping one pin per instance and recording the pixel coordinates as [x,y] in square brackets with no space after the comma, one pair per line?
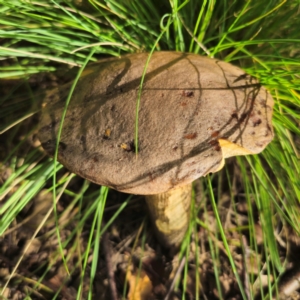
[194,112]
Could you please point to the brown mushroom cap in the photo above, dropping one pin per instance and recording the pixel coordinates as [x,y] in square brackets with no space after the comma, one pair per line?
[191,106]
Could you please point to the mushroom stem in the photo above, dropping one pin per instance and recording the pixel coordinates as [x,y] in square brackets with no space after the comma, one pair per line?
[170,212]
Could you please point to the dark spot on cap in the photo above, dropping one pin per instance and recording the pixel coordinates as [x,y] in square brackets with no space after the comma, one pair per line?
[106,135]
[215,134]
[191,136]
[183,103]
[128,146]
[256,122]
[262,102]
[213,142]
[188,94]
[234,115]
[243,117]
[175,148]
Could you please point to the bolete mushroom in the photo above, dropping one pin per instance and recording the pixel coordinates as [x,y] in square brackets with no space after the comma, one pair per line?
[194,112]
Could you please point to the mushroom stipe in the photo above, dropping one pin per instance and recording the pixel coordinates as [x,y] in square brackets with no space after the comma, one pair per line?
[194,112]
